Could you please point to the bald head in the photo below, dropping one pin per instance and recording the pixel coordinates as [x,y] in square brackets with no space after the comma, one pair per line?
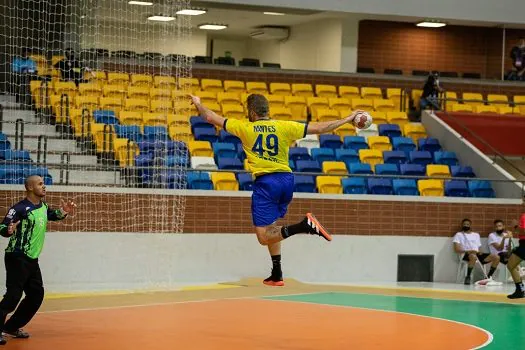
[34,185]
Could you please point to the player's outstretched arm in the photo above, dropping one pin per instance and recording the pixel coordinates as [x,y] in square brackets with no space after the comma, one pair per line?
[210,116]
[325,127]
[66,208]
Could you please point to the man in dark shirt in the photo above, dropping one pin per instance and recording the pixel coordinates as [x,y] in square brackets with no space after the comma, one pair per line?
[71,68]
[517,54]
[431,92]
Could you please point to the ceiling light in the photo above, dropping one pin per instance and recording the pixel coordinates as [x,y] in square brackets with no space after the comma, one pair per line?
[142,3]
[213,26]
[161,18]
[431,24]
[190,12]
[274,13]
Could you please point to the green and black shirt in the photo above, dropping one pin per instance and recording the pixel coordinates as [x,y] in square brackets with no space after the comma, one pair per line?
[30,233]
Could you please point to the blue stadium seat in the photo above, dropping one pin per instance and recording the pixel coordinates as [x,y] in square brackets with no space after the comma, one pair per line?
[394,157]
[405,187]
[412,169]
[462,171]
[105,117]
[446,158]
[420,157]
[153,133]
[199,122]
[205,134]
[481,188]
[355,142]
[304,183]
[354,185]
[176,148]
[387,169]
[308,166]
[429,144]
[291,164]
[131,132]
[229,163]
[4,143]
[199,180]
[226,137]
[240,152]
[299,153]
[224,150]
[405,144]
[456,188]
[181,161]
[380,186]
[360,168]
[144,160]
[323,154]
[175,180]
[245,181]
[330,141]
[17,155]
[11,174]
[347,155]
[389,130]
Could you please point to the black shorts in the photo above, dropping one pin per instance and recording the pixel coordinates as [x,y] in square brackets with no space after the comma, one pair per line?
[481,257]
[520,250]
[504,258]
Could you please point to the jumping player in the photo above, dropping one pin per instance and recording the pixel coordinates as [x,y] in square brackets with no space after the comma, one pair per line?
[518,255]
[266,143]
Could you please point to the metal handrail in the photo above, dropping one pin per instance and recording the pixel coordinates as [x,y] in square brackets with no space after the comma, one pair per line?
[19,124]
[39,149]
[67,158]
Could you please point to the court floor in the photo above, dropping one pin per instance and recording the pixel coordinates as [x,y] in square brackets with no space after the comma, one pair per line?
[247,315]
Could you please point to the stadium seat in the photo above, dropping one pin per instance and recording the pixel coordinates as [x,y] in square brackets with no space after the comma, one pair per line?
[346,155]
[199,122]
[456,107]
[118,78]
[136,105]
[448,158]
[363,104]
[131,132]
[228,98]
[176,120]
[297,105]
[412,169]
[360,168]
[481,189]
[304,90]
[229,163]
[234,86]
[456,189]
[399,118]
[371,93]
[256,87]
[281,113]
[380,186]
[308,166]
[381,143]
[309,141]
[180,133]
[404,144]
[387,169]
[415,131]
[304,183]
[275,101]
[438,170]
[329,184]
[109,103]
[245,181]
[164,81]
[433,188]
[299,153]
[345,130]
[226,137]
[389,130]
[205,134]
[485,109]
[163,93]
[164,106]
[90,102]
[322,154]
[521,101]
[105,117]
[330,141]
[342,105]
[152,119]
[429,144]
[462,171]
[394,94]
[200,148]
[233,112]
[203,163]
[114,91]
[211,85]
[371,156]
[379,117]
[207,97]
[141,80]
[420,157]
[394,157]
[224,150]
[315,103]
[224,181]
[174,179]
[191,84]
[328,91]
[508,110]
[139,92]
[334,168]
[382,105]
[181,161]
[17,155]
[349,92]
[355,142]
[405,187]
[90,89]
[327,115]
[281,89]
[371,131]
[472,99]
[291,164]
[354,185]
[155,133]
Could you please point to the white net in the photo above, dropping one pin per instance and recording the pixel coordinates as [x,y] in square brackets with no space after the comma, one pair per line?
[96,98]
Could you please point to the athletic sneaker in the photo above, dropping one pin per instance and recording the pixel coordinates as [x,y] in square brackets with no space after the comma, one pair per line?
[275,279]
[467,280]
[3,340]
[316,228]
[19,333]
[516,295]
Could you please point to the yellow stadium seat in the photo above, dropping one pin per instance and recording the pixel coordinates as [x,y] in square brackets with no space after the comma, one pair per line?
[327,91]
[394,95]
[275,101]
[136,105]
[315,103]
[438,170]
[212,85]
[177,119]
[165,106]
[228,98]
[371,156]
[416,96]
[399,118]
[179,94]
[65,87]
[371,93]
[215,107]
[256,87]
[110,103]
[154,119]
[97,77]
[296,104]
[41,64]
[207,97]
[125,151]
[384,105]
[145,80]
[334,168]
[57,58]
[184,107]
[90,89]
[508,110]
[161,93]
[304,90]
[180,133]
[80,119]
[90,102]
[130,118]
[59,105]
[451,98]
[164,81]
[340,104]
[200,149]
[349,92]
[520,103]
[189,84]
[498,100]
[280,113]
[115,91]
[282,89]
[381,143]
[118,78]
[103,135]
[364,104]
[138,92]
[472,99]
[379,117]
[415,131]
[432,188]
[326,115]
[234,111]
[456,107]
[485,109]
[345,130]
[224,181]
[234,86]
[329,184]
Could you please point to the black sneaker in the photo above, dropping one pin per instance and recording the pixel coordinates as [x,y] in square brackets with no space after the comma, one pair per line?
[316,228]
[467,280]
[19,333]
[3,340]
[517,294]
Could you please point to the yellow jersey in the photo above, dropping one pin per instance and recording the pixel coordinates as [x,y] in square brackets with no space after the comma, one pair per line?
[266,142]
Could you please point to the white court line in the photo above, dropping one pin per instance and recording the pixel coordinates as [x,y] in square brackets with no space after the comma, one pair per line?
[490,337]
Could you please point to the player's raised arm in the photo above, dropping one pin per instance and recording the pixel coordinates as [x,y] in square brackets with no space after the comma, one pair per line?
[9,225]
[66,207]
[326,127]
[210,116]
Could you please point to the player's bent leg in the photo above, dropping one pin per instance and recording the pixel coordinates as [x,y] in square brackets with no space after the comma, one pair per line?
[512,266]
[472,257]
[494,261]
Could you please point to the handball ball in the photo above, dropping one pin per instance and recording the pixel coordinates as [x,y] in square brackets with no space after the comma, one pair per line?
[363,120]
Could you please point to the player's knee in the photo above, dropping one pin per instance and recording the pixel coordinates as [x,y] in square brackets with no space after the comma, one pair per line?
[262,239]
[496,259]
[11,300]
[472,257]
[36,295]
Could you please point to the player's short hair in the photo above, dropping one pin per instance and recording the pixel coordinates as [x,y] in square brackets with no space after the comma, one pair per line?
[258,104]
[497,221]
[28,179]
[466,220]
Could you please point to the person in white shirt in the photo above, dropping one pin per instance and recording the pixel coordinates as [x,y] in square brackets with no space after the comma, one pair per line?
[468,243]
[499,241]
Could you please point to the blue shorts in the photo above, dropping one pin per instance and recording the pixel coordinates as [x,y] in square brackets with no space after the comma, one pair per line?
[272,193]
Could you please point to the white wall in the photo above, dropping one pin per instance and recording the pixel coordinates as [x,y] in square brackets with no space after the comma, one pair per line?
[349,43]
[238,46]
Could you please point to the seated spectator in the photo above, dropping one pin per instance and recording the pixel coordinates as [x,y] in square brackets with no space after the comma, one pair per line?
[71,68]
[25,69]
[517,54]
[468,243]
[499,241]
[431,91]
